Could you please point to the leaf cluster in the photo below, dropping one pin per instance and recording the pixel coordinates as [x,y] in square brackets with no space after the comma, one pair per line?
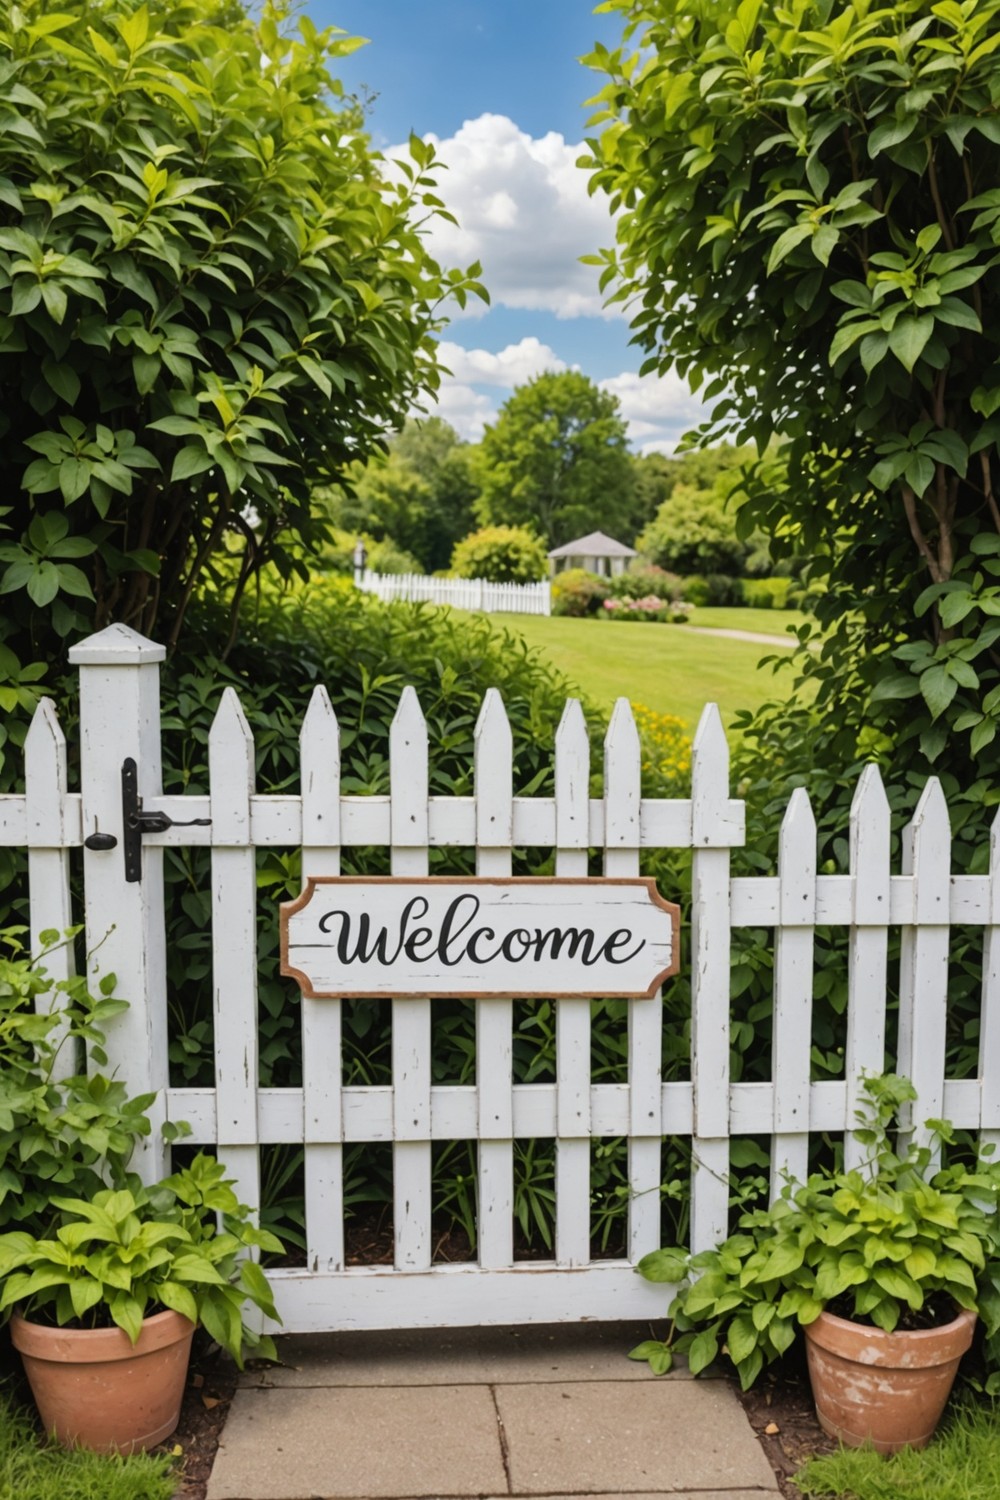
[500,554]
[885,1238]
[62,1131]
[129,1252]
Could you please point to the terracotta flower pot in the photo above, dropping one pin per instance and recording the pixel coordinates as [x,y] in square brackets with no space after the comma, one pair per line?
[887,1389]
[95,1389]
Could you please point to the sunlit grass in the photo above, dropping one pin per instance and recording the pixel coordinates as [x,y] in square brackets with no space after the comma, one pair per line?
[668,668]
[31,1469]
[961,1463]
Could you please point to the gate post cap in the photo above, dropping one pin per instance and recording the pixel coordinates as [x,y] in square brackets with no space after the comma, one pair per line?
[116,646]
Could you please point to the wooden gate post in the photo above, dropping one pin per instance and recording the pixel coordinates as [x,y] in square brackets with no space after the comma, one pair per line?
[124,920]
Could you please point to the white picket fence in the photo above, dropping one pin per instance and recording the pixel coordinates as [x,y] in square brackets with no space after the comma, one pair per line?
[462,593]
[119,708]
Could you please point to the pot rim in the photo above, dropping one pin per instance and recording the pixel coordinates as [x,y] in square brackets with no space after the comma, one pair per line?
[908,1345]
[97,1345]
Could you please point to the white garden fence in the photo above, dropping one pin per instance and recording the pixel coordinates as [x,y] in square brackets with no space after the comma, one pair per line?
[461,593]
[120,718]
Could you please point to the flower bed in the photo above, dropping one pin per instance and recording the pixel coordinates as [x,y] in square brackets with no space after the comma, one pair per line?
[649,608]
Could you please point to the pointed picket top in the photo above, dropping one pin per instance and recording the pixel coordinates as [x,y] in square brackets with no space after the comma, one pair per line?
[408,770]
[869,845]
[494,770]
[622,779]
[319,748]
[797,862]
[46,780]
[116,646]
[927,851]
[709,774]
[231,771]
[572,778]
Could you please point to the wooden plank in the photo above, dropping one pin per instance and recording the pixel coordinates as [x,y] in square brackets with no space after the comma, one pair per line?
[989,1036]
[321,1020]
[494,1018]
[710,959]
[49,904]
[622,785]
[923,968]
[793,985]
[124,922]
[234,945]
[573,1121]
[457,1296]
[869,949]
[411,1019]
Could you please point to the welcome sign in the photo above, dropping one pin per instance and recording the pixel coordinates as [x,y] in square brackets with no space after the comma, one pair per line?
[346,937]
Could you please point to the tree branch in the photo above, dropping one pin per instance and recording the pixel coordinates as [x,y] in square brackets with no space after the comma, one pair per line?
[917,533]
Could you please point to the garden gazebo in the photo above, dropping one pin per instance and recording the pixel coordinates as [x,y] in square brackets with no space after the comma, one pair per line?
[597,553]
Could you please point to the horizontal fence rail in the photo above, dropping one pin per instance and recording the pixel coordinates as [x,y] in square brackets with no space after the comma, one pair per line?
[461,593]
[125,934]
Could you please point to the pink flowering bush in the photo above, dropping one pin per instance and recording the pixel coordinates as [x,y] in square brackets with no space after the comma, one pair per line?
[649,608]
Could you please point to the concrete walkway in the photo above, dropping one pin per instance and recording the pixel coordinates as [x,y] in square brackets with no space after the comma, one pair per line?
[556,1412]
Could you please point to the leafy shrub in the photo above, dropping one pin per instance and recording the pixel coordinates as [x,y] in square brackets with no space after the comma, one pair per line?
[666,748]
[578,592]
[717,590]
[766,593]
[695,531]
[500,554]
[639,583]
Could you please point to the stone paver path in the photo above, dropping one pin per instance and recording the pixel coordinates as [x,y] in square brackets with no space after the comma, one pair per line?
[484,1413]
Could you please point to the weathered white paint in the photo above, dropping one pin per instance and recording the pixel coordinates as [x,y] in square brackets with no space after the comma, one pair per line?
[124,924]
[120,717]
[48,839]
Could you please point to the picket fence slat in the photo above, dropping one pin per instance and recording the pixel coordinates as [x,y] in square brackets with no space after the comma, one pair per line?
[864,1052]
[989,1037]
[923,964]
[622,777]
[793,979]
[234,945]
[494,767]
[411,1019]
[573,1119]
[709,967]
[323,1125]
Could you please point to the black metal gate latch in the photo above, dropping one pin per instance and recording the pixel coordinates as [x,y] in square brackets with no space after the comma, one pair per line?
[135,822]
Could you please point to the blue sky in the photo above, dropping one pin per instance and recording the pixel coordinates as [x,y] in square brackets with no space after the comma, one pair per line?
[497,85]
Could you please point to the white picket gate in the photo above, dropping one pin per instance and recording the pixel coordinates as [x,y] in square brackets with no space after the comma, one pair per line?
[477,594]
[120,718]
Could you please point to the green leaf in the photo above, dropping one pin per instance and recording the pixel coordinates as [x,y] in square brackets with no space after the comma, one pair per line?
[908,339]
[938,689]
[190,461]
[890,133]
[704,1349]
[741,1338]
[664,1265]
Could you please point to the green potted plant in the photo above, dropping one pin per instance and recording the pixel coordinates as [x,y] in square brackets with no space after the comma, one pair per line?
[886,1268]
[106,1278]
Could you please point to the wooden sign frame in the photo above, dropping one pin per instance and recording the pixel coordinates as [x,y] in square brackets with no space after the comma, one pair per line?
[314,883]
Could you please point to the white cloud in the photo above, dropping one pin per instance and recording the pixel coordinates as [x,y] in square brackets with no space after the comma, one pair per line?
[513,366]
[658,409]
[523,211]
[468,411]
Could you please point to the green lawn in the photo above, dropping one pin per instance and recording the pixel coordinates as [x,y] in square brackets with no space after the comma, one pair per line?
[760,621]
[665,667]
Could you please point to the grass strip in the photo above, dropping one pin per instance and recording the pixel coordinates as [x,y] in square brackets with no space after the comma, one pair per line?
[31,1469]
[961,1463]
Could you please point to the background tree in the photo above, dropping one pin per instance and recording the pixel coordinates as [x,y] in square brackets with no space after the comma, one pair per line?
[212,296]
[421,495]
[694,532]
[556,460]
[658,474]
[809,200]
